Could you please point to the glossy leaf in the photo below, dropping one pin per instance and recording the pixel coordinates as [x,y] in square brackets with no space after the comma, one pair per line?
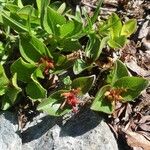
[100,103]
[61,63]
[117,42]
[129,27]
[115,25]
[84,83]
[69,45]
[3,81]
[34,89]
[51,105]
[62,8]
[66,29]
[17,26]
[12,8]
[18,3]
[119,71]
[34,50]
[25,11]
[97,11]
[133,85]
[23,70]
[103,43]
[79,66]
[11,94]
[94,47]
[44,17]
[39,5]
[54,20]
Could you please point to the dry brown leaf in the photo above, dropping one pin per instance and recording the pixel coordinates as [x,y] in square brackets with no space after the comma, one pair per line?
[137,140]
[145,134]
[137,69]
[127,112]
[144,119]
[145,127]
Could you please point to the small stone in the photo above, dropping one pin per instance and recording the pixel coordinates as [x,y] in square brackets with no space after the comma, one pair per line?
[9,139]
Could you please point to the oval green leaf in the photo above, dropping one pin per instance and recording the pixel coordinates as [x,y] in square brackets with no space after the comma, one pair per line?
[133,86]
[51,105]
[23,70]
[129,27]
[100,103]
[34,50]
[11,94]
[84,83]
[3,81]
[119,71]
[117,42]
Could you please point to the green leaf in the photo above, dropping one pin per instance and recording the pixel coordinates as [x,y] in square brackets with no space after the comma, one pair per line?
[133,86]
[54,20]
[3,81]
[67,28]
[78,14]
[11,94]
[51,105]
[80,65]
[18,3]
[69,45]
[115,25]
[103,43]
[59,59]
[34,89]
[94,47]
[17,26]
[34,50]
[26,11]
[119,71]
[12,8]
[117,42]
[97,11]
[67,81]
[62,8]
[44,17]
[38,73]
[100,103]
[129,27]
[23,70]
[78,30]
[39,5]
[104,28]
[84,83]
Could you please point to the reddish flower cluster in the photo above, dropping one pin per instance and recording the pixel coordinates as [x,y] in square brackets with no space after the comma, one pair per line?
[48,64]
[115,94]
[71,99]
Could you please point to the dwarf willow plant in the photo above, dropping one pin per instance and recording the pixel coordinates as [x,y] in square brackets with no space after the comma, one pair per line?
[38,40]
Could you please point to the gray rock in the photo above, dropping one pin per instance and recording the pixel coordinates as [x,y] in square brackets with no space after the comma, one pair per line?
[84,131]
[9,139]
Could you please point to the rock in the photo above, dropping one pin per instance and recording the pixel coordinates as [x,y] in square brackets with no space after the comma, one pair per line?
[9,139]
[84,131]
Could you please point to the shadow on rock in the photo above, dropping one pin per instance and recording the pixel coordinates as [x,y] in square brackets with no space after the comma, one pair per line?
[80,124]
[39,127]
[12,117]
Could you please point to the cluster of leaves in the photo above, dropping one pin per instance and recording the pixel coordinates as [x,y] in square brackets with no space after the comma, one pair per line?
[36,42]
